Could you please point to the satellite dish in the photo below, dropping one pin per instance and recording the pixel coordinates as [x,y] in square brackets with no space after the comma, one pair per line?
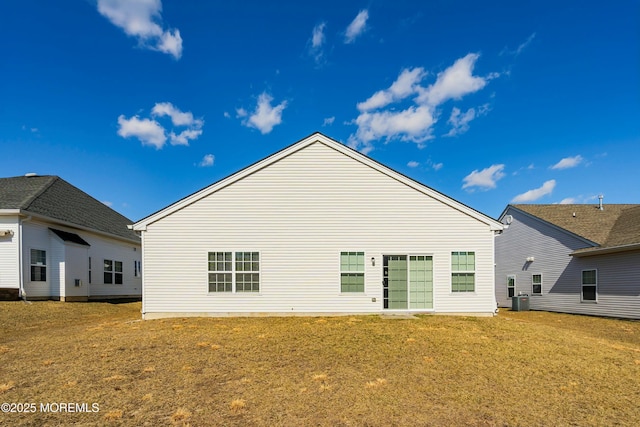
[508,219]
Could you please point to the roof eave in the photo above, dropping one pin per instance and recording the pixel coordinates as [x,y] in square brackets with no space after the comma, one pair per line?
[77,226]
[606,250]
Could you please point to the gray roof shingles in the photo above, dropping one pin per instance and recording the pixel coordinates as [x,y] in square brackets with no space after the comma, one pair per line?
[53,197]
[614,225]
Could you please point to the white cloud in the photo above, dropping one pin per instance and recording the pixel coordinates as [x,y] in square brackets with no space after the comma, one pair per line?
[207,160]
[567,201]
[329,121]
[356,27]
[316,44]
[405,85]
[178,118]
[265,116]
[105,202]
[148,131]
[485,179]
[520,47]
[183,137]
[436,166]
[413,164]
[412,124]
[415,122]
[460,122]
[535,194]
[568,162]
[142,19]
[455,82]
[241,112]
[226,115]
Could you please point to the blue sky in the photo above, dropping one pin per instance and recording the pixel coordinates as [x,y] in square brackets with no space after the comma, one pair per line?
[140,103]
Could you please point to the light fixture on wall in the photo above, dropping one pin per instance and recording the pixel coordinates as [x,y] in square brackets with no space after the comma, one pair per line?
[6,233]
[373,261]
[530,259]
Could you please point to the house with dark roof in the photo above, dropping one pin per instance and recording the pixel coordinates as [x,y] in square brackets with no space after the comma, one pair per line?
[57,242]
[582,259]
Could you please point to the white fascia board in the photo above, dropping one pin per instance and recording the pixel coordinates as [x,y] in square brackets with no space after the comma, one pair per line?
[316,137]
[7,212]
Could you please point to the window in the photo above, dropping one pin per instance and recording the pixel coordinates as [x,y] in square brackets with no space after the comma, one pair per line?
[38,265]
[234,272]
[511,285]
[463,276]
[351,272]
[536,284]
[589,285]
[89,270]
[112,272]
[137,268]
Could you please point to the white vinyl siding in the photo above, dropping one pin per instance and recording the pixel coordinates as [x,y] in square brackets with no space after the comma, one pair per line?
[308,214]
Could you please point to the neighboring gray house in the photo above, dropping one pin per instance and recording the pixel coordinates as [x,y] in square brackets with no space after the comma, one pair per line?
[582,259]
[317,228]
[57,242]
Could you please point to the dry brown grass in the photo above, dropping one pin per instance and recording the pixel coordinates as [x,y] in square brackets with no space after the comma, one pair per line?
[519,368]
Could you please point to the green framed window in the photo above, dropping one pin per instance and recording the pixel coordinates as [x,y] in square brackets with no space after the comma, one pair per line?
[38,265]
[536,284]
[234,271]
[589,291]
[351,272]
[463,271]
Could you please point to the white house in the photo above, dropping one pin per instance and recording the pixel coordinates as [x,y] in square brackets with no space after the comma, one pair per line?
[317,228]
[57,242]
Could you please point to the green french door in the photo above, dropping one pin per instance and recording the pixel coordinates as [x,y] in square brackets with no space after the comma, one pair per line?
[407,281]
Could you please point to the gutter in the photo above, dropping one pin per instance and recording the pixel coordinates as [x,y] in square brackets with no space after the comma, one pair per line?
[607,250]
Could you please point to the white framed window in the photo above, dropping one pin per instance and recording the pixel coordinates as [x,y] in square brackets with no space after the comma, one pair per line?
[463,271]
[352,272]
[137,268]
[113,272]
[234,271]
[536,284]
[38,265]
[89,270]
[589,288]
[511,285]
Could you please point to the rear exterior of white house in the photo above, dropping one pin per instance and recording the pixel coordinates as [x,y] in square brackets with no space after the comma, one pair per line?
[57,242]
[317,228]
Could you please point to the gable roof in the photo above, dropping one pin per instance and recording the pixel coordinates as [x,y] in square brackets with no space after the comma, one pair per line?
[316,137]
[616,226]
[55,199]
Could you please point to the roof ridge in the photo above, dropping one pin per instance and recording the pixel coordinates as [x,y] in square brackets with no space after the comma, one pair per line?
[29,201]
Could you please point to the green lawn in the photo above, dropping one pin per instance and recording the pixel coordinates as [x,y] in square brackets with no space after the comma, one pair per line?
[519,368]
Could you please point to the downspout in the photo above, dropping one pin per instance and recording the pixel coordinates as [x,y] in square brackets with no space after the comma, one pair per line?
[23,294]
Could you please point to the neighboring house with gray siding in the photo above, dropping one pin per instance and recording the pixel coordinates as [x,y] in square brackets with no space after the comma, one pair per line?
[57,242]
[582,259]
[317,228]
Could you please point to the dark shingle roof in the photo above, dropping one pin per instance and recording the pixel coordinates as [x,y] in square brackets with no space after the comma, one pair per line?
[53,197]
[615,225]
